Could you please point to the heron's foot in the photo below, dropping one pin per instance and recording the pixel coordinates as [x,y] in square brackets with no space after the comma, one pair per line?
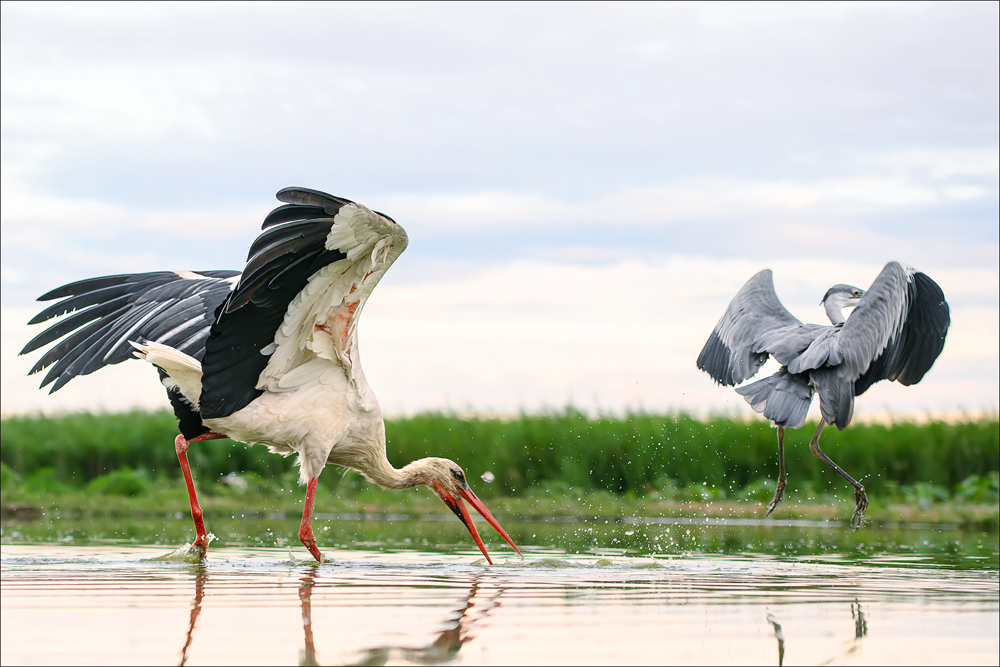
[861,500]
[777,498]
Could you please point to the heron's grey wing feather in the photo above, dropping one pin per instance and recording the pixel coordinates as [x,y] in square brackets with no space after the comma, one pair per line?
[730,355]
[896,332]
[910,354]
[876,321]
[797,346]
[823,350]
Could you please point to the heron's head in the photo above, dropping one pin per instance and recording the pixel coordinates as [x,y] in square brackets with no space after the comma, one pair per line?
[839,297]
[844,295]
[447,480]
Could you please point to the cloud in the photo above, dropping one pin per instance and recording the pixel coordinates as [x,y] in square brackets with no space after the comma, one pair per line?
[528,334]
[943,164]
[561,169]
[545,99]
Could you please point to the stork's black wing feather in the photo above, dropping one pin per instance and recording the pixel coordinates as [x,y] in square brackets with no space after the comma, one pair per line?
[311,198]
[83,293]
[271,252]
[289,251]
[175,309]
[292,213]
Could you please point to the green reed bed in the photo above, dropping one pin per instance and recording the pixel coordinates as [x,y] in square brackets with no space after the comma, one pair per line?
[667,456]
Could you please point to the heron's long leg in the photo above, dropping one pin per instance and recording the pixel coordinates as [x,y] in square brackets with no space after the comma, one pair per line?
[860,497]
[306,530]
[782,480]
[181,445]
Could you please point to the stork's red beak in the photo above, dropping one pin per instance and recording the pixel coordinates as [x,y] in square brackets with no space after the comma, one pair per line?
[456,505]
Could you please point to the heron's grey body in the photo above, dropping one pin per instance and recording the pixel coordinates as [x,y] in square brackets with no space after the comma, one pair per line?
[896,332]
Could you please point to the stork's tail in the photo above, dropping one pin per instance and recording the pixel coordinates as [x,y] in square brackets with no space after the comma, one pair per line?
[184,370]
[783,398]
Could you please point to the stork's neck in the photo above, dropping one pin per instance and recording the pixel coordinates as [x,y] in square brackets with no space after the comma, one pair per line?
[385,475]
[834,307]
[367,456]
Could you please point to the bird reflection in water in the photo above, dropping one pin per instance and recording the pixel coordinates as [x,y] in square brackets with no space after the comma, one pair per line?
[780,636]
[200,577]
[307,656]
[860,631]
[460,626]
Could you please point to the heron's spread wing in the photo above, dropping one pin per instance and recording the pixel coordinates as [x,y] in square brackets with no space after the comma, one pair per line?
[175,308]
[294,314]
[897,331]
[730,355]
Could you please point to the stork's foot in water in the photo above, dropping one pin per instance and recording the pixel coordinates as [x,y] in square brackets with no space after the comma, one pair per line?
[777,497]
[200,546]
[309,540]
[861,504]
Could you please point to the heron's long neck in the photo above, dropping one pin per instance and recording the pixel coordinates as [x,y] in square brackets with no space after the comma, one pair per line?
[835,309]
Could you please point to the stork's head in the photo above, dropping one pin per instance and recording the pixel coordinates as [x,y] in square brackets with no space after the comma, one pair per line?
[448,481]
[839,297]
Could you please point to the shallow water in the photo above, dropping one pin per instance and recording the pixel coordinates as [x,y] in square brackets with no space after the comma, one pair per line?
[780,594]
[823,541]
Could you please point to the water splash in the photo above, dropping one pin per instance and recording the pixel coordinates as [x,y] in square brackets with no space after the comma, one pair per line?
[187,553]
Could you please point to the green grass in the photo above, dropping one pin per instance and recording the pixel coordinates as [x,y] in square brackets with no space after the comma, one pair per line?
[669,457]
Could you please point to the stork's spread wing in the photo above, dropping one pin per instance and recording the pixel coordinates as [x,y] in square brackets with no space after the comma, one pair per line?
[294,314]
[896,332]
[729,356]
[173,308]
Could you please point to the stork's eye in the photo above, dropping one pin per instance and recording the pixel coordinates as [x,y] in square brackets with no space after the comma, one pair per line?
[457,474]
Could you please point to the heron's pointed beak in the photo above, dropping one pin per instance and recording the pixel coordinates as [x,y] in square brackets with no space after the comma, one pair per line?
[456,505]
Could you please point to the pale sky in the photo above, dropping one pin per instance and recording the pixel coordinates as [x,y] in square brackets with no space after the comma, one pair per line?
[584,186]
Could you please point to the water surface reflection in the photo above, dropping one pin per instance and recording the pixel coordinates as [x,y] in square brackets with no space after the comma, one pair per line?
[110,604]
[459,628]
[458,625]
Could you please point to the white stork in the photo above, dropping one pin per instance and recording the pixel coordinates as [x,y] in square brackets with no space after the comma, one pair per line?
[268,356]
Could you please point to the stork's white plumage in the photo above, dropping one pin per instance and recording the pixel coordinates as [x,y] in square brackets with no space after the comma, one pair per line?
[269,356]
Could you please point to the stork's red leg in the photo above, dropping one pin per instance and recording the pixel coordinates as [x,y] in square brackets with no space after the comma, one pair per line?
[306,530]
[181,445]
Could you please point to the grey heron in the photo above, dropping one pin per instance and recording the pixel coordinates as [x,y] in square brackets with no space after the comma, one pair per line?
[896,332]
[267,356]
